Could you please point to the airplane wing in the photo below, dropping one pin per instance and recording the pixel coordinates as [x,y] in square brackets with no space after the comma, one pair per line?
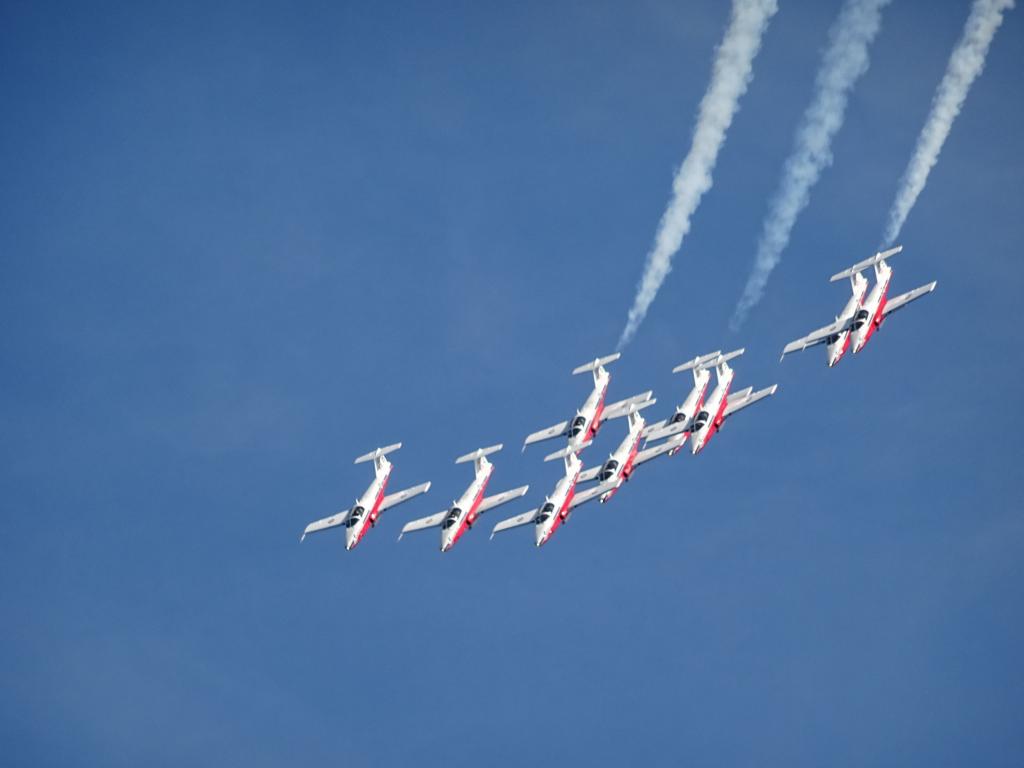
[668,430]
[819,336]
[324,523]
[590,494]
[898,302]
[490,502]
[432,521]
[589,474]
[652,453]
[732,406]
[621,408]
[397,498]
[546,434]
[514,522]
[654,427]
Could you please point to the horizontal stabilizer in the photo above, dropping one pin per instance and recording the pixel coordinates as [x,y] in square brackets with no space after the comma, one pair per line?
[738,405]
[621,408]
[514,522]
[377,453]
[860,266]
[898,302]
[431,521]
[595,364]
[498,499]
[723,358]
[393,499]
[546,434]
[697,362]
[478,453]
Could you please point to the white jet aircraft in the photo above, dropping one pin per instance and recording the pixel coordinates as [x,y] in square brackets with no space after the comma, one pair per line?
[367,509]
[584,425]
[471,504]
[861,316]
[717,408]
[556,507]
[628,456]
[684,414]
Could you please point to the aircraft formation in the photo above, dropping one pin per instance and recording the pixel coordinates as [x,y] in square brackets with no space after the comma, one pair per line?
[698,418]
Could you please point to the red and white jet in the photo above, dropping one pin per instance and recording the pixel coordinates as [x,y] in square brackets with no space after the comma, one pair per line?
[719,406]
[556,508]
[463,512]
[587,421]
[861,316]
[628,456]
[685,413]
[367,509]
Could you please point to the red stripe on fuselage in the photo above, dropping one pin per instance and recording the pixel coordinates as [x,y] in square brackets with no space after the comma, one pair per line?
[470,517]
[374,511]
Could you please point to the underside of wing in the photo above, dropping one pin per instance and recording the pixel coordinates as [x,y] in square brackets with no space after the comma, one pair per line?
[590,494]
[652,453]
[740,403]
[819,336]
[397,498]
[621,408]
[431,521]
[490,502]
[546,434]
[898,302]
[324,523]
[669,430]
[514,522]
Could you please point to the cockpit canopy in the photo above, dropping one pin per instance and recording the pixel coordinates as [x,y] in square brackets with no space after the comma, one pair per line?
[576,426]
[677,417]
[860,318]
[608,470]
[701,420]
[354,517]
[452,518]
[545,513]
[832,339]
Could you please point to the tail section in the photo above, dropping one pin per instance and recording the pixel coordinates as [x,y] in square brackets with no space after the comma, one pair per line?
[479,453]
[860,266]
[376,454]
[698,362]
[599,362]
[635,419]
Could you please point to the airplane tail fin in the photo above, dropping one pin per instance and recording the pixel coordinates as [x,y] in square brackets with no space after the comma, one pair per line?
[565,453]
[723,359]
[860,266]
[634,411]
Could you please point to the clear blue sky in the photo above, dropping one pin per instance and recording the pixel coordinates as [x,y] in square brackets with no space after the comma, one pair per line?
[243,244]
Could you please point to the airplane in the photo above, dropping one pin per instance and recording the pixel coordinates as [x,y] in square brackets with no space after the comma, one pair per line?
[628,456]
[460,517]
[559,504]
[692,404]
[861,316]
[367,509]
[587,421]
[717,408]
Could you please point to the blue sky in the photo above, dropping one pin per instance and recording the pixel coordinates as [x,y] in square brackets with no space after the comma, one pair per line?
[242,245]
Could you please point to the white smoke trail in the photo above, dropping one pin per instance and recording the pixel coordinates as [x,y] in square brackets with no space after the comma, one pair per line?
[965,64]
[729,80]
[845,60]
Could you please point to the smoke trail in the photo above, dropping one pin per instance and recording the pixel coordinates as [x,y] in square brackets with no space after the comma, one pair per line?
[965,64]
[729,80]
[845,60]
